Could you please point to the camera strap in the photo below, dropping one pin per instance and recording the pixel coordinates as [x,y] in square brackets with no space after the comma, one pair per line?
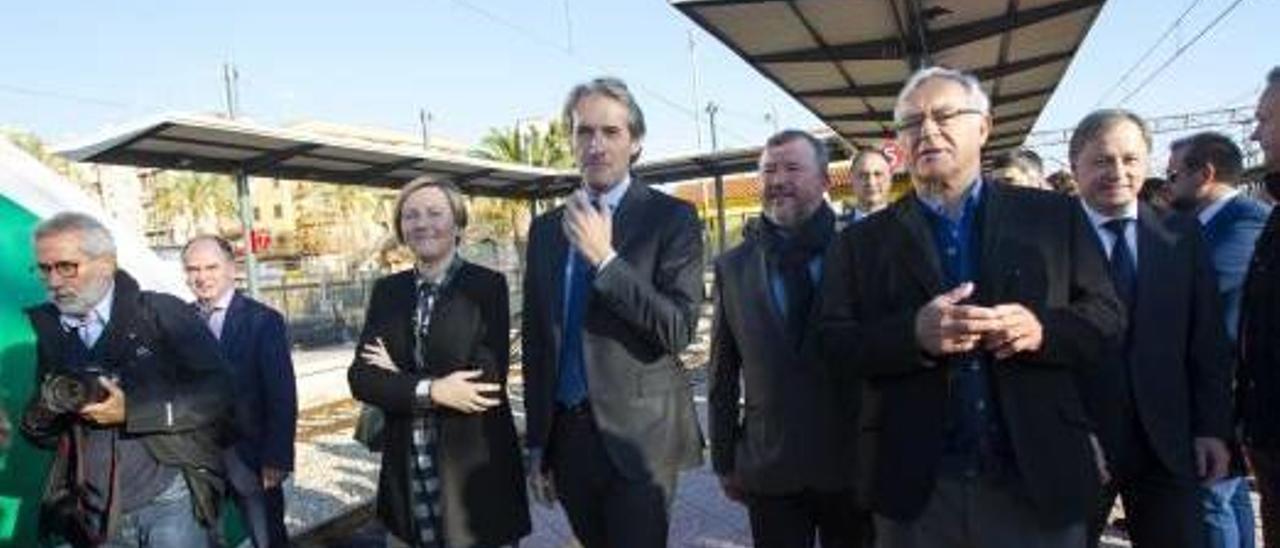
[105,528]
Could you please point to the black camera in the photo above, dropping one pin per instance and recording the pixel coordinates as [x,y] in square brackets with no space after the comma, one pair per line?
[69,390]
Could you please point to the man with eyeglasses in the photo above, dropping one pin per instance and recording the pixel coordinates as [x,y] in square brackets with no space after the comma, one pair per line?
[134,400]
[1161,396]
[963,311]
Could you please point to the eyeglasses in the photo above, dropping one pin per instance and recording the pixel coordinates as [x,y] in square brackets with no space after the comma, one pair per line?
[65,269]
[912,123]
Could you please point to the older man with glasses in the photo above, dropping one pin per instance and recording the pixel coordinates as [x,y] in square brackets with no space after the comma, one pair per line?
[961,313]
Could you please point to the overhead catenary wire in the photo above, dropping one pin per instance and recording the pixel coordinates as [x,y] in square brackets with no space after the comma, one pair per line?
[1133,68]
[568,52]
[1182,49]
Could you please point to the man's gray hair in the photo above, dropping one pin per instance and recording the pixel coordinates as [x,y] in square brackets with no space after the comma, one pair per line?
[1273,77]
[972,87]
[821,156]
[95,239]
[613,88]
[1100,120]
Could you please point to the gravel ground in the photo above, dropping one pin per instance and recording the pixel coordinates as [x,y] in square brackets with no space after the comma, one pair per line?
[334,473]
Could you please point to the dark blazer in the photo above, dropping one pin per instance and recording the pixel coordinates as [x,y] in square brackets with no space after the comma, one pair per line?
[177,387]
[641,312]
[1178,361]
[1259,379]
[482,489]
[1036,250]
[793,432]
[254,343]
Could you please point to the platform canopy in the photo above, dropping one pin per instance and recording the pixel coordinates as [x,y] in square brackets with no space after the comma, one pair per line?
[219,145]
[846,60]
[725,162]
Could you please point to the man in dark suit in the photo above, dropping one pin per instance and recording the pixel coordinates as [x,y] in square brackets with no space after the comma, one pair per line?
[962,312]
[252,339]
[871,174]
[1161,400]
[138,461]
[611,294]
[789,456]
[1203,172]
[1259,381]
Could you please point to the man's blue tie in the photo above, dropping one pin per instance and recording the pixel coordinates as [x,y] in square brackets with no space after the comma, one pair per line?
[1124,274]
[572,386]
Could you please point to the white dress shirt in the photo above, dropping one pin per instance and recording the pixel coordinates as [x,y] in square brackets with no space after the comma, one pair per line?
[1105,235]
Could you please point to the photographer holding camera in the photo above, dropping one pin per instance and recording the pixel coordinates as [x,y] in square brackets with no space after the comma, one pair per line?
[134,398]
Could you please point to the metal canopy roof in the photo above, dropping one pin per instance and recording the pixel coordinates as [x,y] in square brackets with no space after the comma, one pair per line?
[218,145]
[213,144]
[724,162]
[846,60]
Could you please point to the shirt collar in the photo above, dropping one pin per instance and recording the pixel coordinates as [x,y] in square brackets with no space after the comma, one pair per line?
[1212,209]
[613,196]
[1098,219]
[420,279]
[936,205]
[224,302]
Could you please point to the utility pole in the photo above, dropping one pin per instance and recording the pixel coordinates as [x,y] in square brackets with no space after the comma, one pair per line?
[693,70]
[772,117]
[722,236]
[568,28]
[230,81]
[424,120]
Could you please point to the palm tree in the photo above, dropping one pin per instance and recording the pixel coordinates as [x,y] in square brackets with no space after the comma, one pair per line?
[193,203]
[361,216]
[540,146]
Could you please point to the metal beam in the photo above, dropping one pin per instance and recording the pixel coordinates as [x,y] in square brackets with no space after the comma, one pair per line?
[269,160]
[379,171]
[150,133]
[999,71]
[463,178]
[1004,99]
[938,40]
[891,89]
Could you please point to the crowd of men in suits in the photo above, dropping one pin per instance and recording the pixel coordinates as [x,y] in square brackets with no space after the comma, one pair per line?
[986,362]
[973,364]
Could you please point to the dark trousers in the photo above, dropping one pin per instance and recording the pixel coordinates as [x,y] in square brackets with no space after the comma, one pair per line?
[1162,508]
[798,519]
[261,510]
[1266,472]
[605,509]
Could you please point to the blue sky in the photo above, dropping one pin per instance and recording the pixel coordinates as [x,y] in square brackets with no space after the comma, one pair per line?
[74,68]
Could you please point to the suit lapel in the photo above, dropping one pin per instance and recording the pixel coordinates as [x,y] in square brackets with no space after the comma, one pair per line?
[756,278]
[557,258]
[990,287]
[914,246]
[1154,243]
[630,208]
[233,324]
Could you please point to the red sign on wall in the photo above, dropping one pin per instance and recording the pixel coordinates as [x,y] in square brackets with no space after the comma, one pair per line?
[259,240]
